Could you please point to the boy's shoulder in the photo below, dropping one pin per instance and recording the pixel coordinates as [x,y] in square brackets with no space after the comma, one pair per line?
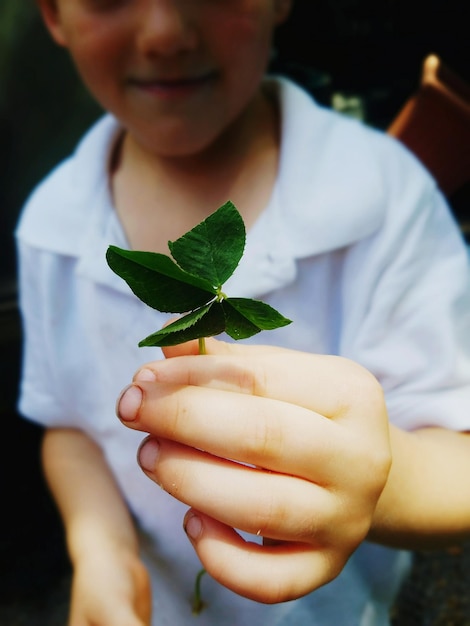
[335,170]
[338,141]
[60,206]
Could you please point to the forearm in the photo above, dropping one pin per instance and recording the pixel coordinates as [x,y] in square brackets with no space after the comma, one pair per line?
[426,501]
[88,498]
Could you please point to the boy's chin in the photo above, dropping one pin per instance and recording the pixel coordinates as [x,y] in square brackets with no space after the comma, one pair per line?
[180,147]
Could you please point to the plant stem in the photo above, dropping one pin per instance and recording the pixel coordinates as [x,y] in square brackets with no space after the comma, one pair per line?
[198,603]
[202,345]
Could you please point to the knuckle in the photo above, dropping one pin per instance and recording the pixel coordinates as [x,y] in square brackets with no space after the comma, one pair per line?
[177,413]
[381,463]
[360,388]
[371,479]
[369,390]
[253,380]
[376,468]
[265,442]
[277,592]
[269,515]
[334,562]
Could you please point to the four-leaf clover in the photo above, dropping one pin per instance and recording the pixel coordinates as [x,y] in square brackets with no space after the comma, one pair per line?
[190,282]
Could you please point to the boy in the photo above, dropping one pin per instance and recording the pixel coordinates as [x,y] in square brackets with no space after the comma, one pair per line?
[347,236]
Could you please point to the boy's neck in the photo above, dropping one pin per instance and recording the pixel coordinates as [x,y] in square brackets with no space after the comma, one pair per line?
[159,198]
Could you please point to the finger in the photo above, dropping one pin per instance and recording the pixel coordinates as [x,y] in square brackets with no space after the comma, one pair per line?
[264,574]
[261,503]
[253,430]
[182,349]
[332,386]
[213,347]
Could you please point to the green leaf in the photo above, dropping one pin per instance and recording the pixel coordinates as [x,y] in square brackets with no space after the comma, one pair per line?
[158,281]
[245,317]
[204,322]
[236,325]
[205,257]
[213,248]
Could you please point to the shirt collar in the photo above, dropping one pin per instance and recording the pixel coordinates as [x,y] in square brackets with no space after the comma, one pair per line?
[320,202]
[328,195]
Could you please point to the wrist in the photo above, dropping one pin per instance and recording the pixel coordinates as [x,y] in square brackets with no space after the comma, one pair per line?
[87,539]
[425,502]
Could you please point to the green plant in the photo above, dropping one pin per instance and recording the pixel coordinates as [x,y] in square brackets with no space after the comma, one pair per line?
[203,259]
[191,283]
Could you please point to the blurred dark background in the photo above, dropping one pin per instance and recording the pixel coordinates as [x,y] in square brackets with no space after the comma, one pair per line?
[360,50]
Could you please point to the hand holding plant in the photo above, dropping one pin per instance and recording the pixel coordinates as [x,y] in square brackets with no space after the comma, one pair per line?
[203,259]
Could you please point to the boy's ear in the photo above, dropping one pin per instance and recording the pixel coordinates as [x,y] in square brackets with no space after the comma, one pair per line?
[282,9]
[51,17]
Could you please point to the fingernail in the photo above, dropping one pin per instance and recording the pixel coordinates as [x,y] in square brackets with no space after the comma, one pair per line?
[128,404]
[148,454]
[145,375]
[192,526]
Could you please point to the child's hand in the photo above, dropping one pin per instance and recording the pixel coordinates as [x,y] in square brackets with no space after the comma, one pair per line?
[285,445]
[110,588]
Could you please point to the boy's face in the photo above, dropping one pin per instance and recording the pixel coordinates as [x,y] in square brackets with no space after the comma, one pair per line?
[176,73]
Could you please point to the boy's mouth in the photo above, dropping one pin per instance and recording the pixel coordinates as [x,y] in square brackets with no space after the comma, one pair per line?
[172,86]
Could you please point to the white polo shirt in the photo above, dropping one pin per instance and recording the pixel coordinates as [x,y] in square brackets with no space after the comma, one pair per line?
[356,246]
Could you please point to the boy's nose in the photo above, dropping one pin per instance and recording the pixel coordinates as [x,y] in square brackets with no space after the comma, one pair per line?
[166,27]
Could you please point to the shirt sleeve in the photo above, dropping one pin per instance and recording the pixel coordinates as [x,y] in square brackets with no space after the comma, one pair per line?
[409,306]
[39,397]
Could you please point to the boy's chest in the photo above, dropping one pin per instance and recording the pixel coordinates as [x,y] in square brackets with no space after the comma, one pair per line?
[158,205]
